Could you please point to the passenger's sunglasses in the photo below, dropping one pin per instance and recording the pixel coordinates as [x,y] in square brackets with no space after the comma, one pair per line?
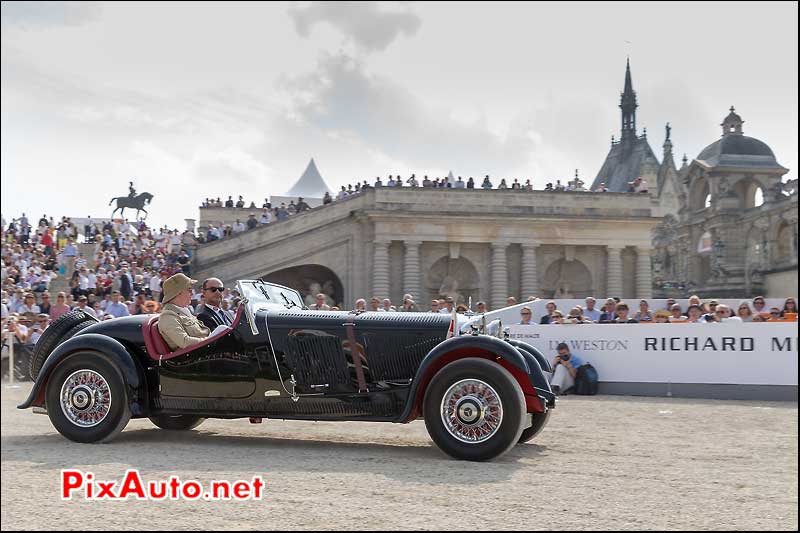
[526,314]
[217,289]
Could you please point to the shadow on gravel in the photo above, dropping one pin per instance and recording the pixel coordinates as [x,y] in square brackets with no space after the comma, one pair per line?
[154,450]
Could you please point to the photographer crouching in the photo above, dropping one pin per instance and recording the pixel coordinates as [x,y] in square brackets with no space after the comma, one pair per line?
[565,368]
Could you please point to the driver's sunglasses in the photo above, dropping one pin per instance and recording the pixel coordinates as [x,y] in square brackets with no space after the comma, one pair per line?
[525,314]
[212,289]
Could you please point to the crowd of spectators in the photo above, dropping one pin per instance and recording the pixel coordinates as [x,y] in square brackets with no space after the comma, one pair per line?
[119,272]
[615,311]
[274,213]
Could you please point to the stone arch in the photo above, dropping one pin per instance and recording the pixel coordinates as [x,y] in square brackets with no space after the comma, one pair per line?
[567,279]
[452,277]
[750,192]
[699,194]
[310,280]
[783,242]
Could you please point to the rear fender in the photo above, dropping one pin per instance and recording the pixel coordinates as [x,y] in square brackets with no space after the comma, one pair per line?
[461,347]
[90,342]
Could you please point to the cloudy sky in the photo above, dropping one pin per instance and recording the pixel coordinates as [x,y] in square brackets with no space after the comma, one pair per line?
[196,100]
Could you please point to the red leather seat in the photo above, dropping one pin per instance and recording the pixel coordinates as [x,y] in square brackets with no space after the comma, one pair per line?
[157,347]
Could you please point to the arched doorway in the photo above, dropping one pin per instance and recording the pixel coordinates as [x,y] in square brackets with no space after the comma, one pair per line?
[453,277]
[311,280]
[567,279]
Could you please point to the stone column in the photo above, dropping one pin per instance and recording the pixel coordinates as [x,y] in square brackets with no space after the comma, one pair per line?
[614,272]
[499,275]
[411,272]
[380,270]
[530,274]
[644,273]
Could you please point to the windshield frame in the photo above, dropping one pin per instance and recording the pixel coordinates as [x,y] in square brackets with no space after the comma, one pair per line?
[258,294]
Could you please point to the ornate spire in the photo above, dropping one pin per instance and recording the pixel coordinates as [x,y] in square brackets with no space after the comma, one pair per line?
[732,125]
[685,161]
[628,106]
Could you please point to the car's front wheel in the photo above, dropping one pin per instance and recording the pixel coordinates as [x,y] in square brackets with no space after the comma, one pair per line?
[177,422]
[474,409]
[86,398]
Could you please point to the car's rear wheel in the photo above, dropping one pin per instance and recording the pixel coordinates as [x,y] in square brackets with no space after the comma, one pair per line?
[539,422]
[86,398]
[474,409]
[62,328]
[177,422]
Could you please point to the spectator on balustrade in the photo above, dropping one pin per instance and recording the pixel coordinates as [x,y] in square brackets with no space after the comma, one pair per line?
[644,314]
[390,181]
[640,185]
[662,316]
[601,188]
[342,194]
[229,202]
[116,308]
[375,304]
[516,185]
[744,312]
[551,309]
[28,305]
[45,307]
[610,313]
[388,307]
[695,300]
[622,311]
[460,183]
[525,317]
[412,181]
[559,186]
[434,306]
[361,305]
[83,305]
[789,306]
[252,223]
[576,316]
[694,314]
[266,217]
[480,307]
[282,212]
[319,303]
[723,313]
[240,203]
[486,183]
[302,205]
[548,187]
[590,312]
[676,314]
[60,307]
[502,184]
[449,305]
[759,305]
[511,301]
[470,183]
[408,305]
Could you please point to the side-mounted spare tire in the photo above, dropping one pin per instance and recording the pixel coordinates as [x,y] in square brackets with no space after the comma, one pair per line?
[63,328]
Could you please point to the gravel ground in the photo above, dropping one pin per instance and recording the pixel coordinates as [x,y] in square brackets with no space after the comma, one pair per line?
[605,462]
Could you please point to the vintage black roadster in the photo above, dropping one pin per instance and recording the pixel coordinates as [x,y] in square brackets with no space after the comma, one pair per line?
[479,394]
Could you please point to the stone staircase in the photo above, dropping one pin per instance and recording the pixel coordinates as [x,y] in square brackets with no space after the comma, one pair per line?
[61,283]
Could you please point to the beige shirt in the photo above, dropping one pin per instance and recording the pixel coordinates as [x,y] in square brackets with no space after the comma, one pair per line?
[180,328]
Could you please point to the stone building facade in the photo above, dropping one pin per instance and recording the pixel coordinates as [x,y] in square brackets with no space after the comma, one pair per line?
[700,229]
[733,230]
[478,244]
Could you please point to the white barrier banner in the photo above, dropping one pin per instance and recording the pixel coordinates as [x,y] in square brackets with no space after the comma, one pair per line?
[735,353]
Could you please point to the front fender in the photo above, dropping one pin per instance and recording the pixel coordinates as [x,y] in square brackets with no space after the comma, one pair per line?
[540,369]
[483,346]
[91,342]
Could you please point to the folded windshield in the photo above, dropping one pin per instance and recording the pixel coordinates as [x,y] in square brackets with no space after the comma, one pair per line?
[261,294]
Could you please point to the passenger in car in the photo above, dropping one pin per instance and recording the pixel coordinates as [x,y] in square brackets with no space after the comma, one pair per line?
[177,325]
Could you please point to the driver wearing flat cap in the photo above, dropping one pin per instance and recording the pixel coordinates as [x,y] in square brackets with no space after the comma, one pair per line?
[177,325]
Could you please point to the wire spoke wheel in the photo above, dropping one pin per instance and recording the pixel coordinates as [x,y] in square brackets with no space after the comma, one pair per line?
[85,398]
[471,411]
